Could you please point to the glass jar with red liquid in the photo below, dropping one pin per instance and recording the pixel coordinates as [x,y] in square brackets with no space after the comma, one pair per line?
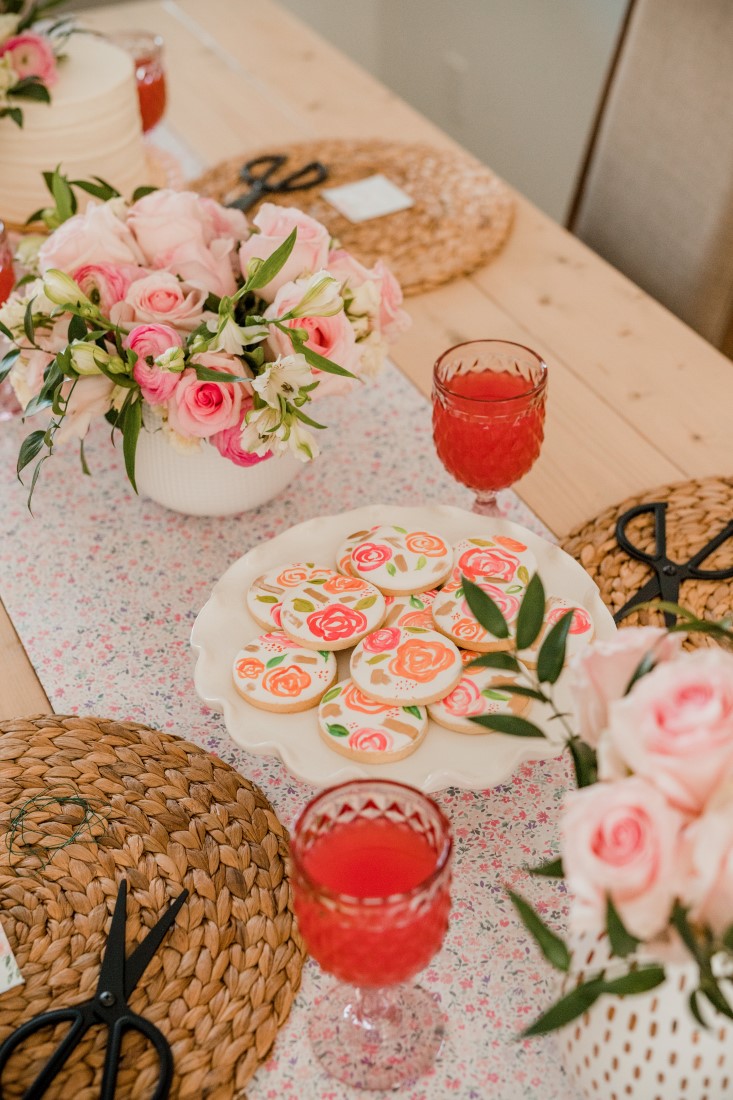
[371,881]
[489,415]
[146,50]
[9,406]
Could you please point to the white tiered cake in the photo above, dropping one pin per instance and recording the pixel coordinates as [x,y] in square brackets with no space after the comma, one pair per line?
[91,128]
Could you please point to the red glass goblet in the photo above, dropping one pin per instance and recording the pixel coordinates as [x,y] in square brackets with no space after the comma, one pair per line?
[146,50]
[371,880]
[488,415]
[9,406]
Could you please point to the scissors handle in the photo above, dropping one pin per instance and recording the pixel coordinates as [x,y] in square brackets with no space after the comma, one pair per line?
[658,509]
[310,175]
[132,1022]
[693,564]
[80,1022]
[271,163]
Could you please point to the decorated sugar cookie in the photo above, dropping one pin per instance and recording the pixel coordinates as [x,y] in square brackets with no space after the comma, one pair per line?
[478,692]
[453,617]
[401,562]
[273,673]
[581,631]
[411,611]
[343,554]
[394,665]
[364,730]
[333,615]
[500,560]
[264,599]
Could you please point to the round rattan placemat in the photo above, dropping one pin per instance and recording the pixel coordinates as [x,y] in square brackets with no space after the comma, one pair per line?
[696,512]
[166,814]
[461,217]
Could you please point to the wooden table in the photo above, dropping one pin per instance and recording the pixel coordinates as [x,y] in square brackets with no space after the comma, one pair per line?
[636,398]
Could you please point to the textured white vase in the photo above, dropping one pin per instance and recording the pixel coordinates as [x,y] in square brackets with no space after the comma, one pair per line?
[648,1046]
[203,483]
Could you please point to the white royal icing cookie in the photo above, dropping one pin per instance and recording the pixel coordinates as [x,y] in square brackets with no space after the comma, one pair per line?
[364,730]
[500,559]
[408,667]
[264,599]
[273,673]
[343,554]
[454,618]
[580,635]
[410,611]
[477,693]
[334,615]
[400,562]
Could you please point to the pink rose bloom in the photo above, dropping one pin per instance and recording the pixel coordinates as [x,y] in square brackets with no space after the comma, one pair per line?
[380,640]
[203,409]
[149,341]
[223,221]
[708,885]
[275,224]
[601,673]
[370,555]
[106,284]
[675,727]
[98,236]
[393,321]
[209,268]
[465,699]
[90,397]
[332,337]
[488,562]
[621,840]
[229,444]
[161,298]
[35,364]
[31,55]
[165,219]
[55,338]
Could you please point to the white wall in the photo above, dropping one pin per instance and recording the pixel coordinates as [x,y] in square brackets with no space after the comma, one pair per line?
[515,81]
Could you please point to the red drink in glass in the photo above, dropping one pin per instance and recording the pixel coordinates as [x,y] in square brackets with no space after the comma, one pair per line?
[7,275]
[489,415]
[146,51]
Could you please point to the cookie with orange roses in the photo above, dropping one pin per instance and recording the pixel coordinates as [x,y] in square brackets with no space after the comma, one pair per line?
[334,614]
[410,667]
[401,562]
[274,673]
[265,595]
[367,731]
[478,693]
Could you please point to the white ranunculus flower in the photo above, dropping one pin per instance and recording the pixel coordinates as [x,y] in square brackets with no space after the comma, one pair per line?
[26,251]
[373,356]
[284,377]
[366,300]
[321,296]
[185,445]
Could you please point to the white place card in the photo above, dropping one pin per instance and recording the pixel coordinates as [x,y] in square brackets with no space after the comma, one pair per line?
[372,197]
[10,974]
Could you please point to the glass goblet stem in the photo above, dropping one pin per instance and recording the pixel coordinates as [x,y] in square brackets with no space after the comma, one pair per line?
[486,503]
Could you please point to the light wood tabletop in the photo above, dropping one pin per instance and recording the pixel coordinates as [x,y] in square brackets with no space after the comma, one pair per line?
[636,398]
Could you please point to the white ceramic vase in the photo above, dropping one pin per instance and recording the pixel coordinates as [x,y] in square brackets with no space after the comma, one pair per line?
[648,1046]
[203,483]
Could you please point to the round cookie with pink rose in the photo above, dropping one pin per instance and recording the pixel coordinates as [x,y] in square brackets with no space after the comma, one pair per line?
[264,598]
[368,731]
[334,614]
[479,693]
[580,635]
[401,562]
[393,665]
[453,617]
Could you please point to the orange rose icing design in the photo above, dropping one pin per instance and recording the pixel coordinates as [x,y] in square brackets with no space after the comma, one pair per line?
[421,542]
[286,682]
[343,584]
[354,699]
[510,544]
[421,661]
[249,668]
[468,630]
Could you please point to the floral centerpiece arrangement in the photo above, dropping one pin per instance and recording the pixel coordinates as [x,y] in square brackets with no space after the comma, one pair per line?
[177,315]
[647,838]
[28,54]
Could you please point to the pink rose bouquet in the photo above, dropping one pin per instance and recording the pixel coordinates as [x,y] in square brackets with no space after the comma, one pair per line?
[646,844]
[28,57]
[174,313]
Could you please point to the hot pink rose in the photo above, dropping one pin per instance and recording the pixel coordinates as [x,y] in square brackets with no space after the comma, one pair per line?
[98,236]
[675,727]
[202,409]
[465,699]
[106,284]
[621,840]
[87,398]
[149,341]
[370,555]
[708,886]
[381,640]
[602,672]
[160,297]
[229,444]
[275,224]
[31,55]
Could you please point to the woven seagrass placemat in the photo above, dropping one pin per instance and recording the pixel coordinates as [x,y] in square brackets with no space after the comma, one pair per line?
[696,512]
[461,217]
[165,814]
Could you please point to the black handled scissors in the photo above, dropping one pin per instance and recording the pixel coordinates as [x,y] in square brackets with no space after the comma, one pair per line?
[117,979]
[262,183]
[665,584]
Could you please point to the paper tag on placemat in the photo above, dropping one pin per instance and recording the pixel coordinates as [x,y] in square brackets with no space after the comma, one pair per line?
[10,974]
[372,197]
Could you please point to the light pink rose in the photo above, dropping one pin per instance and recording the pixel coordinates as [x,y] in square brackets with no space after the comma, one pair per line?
[54,338]
[203,409]
[90,397]
[675,727]
[393,320]
[209,268]
[229,444]
[31,55]
[275,224]
[106,284]
[332,337]
[708,885]
[161,298]
[602,672]
[621,840]
[98,236]
[149,341]
[35,364]
[223,221]
[465,699]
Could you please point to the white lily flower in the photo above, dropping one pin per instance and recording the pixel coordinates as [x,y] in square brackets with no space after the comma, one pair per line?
[185,445]
[62,290]
[366,300]
[12,314]
[284,377]
[26,252]
[302,443]
[233,338]
[321,296]
[87,358]
[173,359]
[262,432]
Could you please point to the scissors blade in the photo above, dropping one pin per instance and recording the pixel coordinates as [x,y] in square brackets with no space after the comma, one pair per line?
[112,971]
[136,964]
[649,591]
